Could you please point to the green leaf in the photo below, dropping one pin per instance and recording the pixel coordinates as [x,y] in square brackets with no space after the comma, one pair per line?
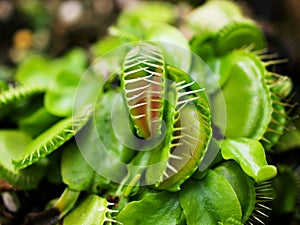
[12,145]
[59,97]
[74,61]
[203,44]
[249,107]
[209,201]
[92,211]
[37,122]
[137,18]
[250,155]
[213,15]
[238,35]
[242,184]
[36,70]
[102,139]
[42,71]
[105,45]
[172,42]
[160,209]
[78,174]
[66,201]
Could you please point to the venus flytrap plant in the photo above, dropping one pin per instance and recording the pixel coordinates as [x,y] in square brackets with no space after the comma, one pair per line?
[133,19]
[143,82]
[147,147]
[10,150]
[185,112]
[216,37]
[288,178]
[98,212]
[271,108]
[18,97]
[58,78]
[51,140]
[187,143]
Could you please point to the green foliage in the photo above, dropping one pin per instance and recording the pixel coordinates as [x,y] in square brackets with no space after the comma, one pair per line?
[12,145]
[149,128]
[160,208]
[92,210]
[203,202]
[251,156]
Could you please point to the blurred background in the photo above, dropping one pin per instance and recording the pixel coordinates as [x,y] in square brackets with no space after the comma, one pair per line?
[53,26]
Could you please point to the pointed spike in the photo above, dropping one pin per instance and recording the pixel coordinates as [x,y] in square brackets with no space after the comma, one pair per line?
[153,73]
[260,51]
[178,109]
[31,156]
[23,161]
[172,168]
[264,207]
[266,140]
[259,220]
[166,174]
[137,96]
[176,137]
[159,59]
[137,89]
[182,85]
[110,203]
[248,48]
[51,143]
[268,56]
[279,124]
[60,137]
[179,83]
[187,93]
[69,131]
[172,156]
[187,100]
[137,79]
[112,210]
[137,105]
[274,131]
[275,62]
[274,74]
[112,220]
[179,128]
[139,116]
[285,104]
[176,145]
[282,114]
[261,213]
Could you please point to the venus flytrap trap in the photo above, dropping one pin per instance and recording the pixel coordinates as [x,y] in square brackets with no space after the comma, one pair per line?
[286,202]
[10,150]
[50,140]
